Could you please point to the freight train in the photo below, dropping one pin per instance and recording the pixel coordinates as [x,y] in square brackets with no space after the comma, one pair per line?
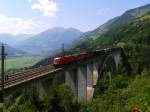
[64,60]
[59,61]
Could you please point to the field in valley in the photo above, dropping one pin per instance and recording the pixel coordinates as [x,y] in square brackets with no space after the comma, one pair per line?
[21,62]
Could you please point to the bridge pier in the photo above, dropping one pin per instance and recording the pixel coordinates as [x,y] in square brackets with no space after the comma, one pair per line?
[41,88]
[82,83]
[82,80]
[89,81]
[71,80]
[95,73]
[117,56]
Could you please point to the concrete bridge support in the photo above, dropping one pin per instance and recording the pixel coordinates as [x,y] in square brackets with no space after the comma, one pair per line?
[71,80]
[117,56]
[82,80]
[90,89]
[95,73]
[82,83]
[90,75]
[41,88]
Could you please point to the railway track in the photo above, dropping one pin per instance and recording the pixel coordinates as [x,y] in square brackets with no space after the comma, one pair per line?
[31,74]
[24,76]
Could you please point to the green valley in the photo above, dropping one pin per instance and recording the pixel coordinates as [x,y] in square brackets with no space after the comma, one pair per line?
[21,62]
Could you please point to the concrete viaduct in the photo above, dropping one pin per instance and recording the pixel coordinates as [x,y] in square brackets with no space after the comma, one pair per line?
[81,76]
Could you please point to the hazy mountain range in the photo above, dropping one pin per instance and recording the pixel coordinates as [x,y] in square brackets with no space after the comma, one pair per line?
[48,41]
[52,39]
[10,40]
[13,39]
[10,51]
[44,43]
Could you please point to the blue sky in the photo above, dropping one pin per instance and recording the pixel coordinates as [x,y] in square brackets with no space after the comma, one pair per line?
[34,16]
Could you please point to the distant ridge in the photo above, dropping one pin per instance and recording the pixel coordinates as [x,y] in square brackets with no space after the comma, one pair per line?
[45,43]
[13,39]
[10,51]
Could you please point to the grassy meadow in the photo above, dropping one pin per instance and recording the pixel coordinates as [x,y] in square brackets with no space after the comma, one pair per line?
[21,62]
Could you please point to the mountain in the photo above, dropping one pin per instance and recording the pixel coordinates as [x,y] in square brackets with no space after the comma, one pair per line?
[125,18]
[133,36]
[48,41]
[136,31]
[130,29]
[13,39]
[10,51]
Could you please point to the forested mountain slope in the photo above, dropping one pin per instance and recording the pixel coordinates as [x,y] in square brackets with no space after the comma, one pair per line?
[134,37]
[125,18]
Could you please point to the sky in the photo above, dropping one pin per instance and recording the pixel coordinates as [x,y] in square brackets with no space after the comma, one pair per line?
[34,16]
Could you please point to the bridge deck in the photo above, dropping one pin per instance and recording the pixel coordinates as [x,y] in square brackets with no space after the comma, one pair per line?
[32,74]
[28,75]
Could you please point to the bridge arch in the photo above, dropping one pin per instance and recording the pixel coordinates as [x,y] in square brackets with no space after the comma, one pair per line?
[107,69]
[109,64]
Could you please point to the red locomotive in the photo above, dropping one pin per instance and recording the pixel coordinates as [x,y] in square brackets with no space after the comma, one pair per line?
[58,61]
[64,60]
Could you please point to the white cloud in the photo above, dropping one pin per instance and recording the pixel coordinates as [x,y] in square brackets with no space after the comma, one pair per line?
[18,25]
[47,7]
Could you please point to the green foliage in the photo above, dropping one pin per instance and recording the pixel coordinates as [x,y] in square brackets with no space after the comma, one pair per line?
[28,101]
[125,94]
[138,92]
[61,99]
